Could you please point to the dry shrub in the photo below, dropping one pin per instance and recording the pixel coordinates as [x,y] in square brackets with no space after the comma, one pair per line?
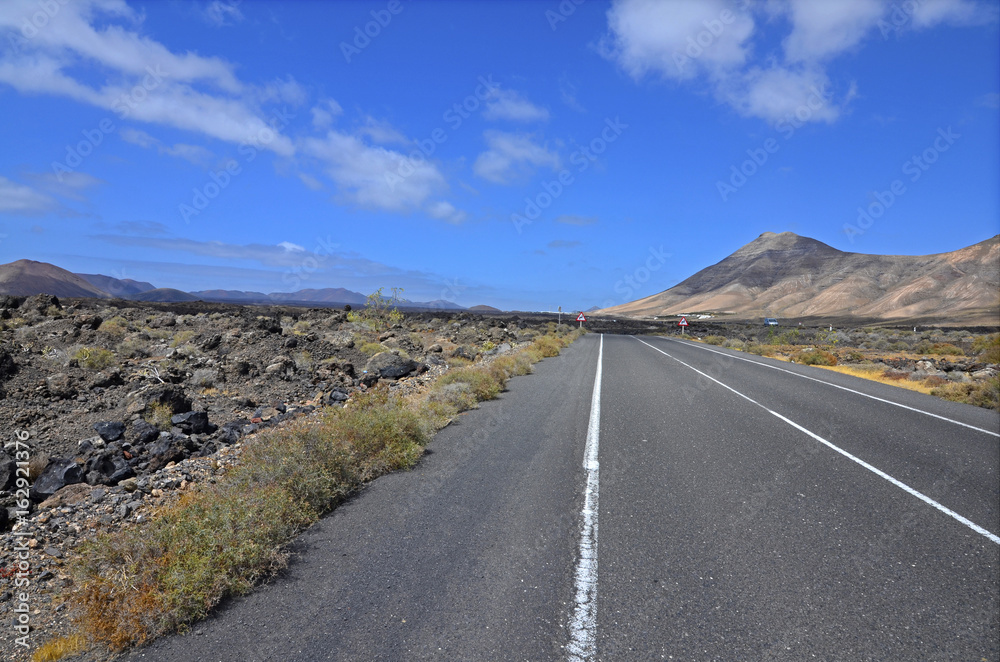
[895,375]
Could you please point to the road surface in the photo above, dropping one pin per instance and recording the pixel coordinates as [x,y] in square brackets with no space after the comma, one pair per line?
[647,499]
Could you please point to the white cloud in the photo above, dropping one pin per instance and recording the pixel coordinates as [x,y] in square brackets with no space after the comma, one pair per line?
[651,36]
[929,13]
[710,41]
[324,112]
[381,132]
[780,93]
[221,14]
[311,182]
[195,154]
[445,211]
[289,246]
[144,80]
[510,105]
[374,177]
[570,219]
[512,156]
[826,29]
[23,200]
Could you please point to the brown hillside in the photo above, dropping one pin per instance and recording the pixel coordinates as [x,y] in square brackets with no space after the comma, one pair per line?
[785,275]
[27,277]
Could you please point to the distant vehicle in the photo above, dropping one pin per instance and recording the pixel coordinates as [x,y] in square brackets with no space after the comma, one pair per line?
[770,321]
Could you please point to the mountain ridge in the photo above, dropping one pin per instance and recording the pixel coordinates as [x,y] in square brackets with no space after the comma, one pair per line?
[786,275]
[29,277]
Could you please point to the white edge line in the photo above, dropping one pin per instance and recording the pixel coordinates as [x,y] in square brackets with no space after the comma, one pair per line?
[926,499]
[583,623]
[843,388]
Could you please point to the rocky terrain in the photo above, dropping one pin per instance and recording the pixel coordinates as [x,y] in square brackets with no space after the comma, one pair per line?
[118,405]
[785,275]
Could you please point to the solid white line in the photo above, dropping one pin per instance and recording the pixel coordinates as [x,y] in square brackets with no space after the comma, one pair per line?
[583,623]
[843,388]
[878,472]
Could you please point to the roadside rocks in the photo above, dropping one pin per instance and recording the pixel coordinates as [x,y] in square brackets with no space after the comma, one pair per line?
[389,365]
[59,473]
[110,431]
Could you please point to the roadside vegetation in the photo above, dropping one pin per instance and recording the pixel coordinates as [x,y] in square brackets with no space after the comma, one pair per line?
[954,365]
[224,538]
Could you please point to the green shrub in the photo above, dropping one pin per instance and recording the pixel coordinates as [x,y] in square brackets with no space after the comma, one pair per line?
[115,328]
[713,340]
[984,394]
[94,358]
[371,348]
[221,540]
[181,338]
[987,348]
[158,414]
[484,383]
[133,349]
[815,357]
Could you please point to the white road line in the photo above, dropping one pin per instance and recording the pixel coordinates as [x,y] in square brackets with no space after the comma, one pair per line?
[926,499]
[583,623]
[842,388]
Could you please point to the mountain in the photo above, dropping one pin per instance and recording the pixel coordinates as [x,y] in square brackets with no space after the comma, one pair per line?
[231,296]
[27,277]
[324,295]
[785,275]
[163,295]
[119,287]
[484,309]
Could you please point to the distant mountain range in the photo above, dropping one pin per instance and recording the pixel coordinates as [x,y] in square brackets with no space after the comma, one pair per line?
[785,275]
[27,277]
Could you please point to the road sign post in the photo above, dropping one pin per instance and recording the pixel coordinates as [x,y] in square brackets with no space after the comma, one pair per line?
[683,324]
[581,318]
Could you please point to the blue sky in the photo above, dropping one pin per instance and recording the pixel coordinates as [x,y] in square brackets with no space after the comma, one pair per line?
[525,155]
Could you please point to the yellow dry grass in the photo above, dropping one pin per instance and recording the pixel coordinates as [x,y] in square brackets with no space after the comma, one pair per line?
[875,374]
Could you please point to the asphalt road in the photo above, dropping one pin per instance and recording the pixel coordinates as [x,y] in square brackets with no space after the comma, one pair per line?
[730,508]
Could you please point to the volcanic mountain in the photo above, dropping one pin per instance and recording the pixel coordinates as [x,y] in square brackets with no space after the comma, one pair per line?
[785,275]
[27,277]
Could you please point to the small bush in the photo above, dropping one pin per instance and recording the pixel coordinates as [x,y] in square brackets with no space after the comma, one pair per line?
[205,377]
[714,340]
[895,375]
[114,328]
[303,361]
[158,415]
[371,348]
[94,358]
[182,338]
[815,357]
[984,394]
[987,348]
[484,384]
[133,349]
[59,648]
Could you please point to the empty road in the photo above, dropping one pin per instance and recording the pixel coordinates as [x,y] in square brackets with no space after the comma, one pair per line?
[643,498]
